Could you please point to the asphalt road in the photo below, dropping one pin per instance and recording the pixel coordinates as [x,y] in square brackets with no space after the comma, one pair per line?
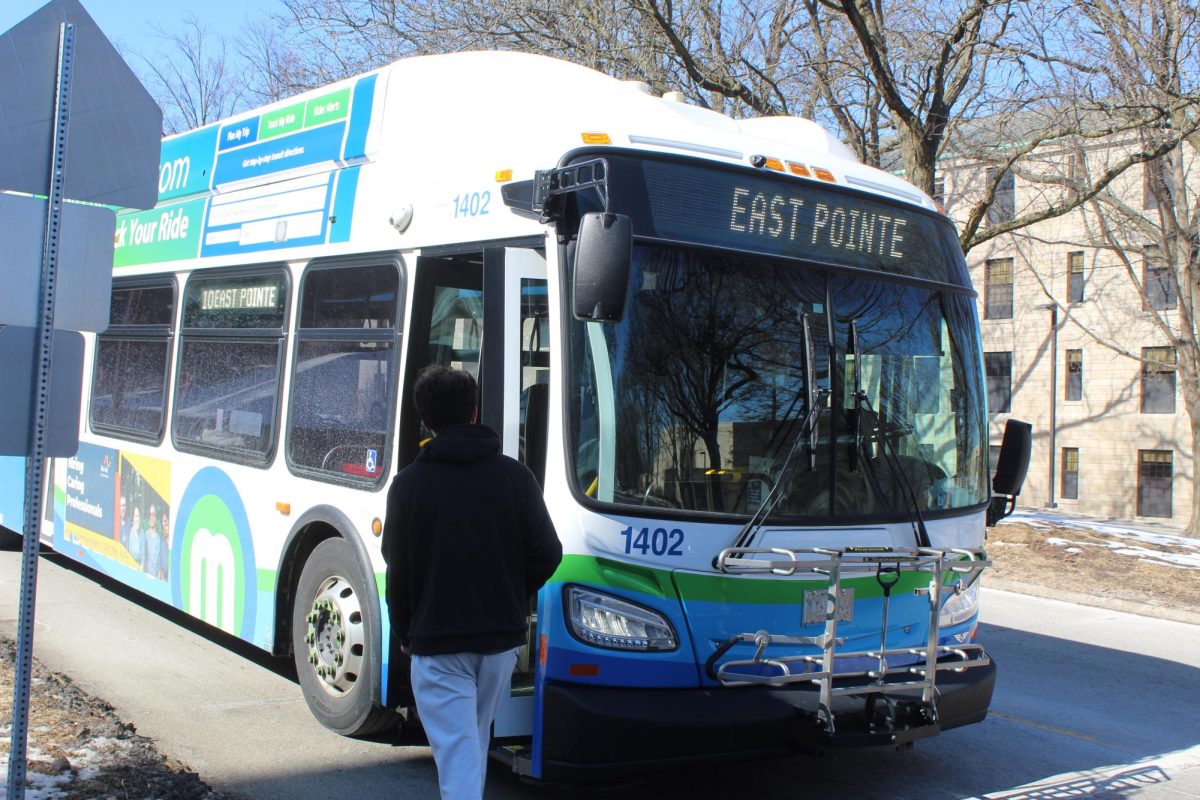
[1090,703]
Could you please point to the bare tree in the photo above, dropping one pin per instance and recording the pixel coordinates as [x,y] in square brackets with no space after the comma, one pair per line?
[1143,58]
[193,78]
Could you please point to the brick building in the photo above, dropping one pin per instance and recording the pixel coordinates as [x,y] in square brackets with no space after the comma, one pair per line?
[1071,343]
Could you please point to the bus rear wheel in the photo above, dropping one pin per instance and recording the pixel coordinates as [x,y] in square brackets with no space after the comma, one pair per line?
[332,642]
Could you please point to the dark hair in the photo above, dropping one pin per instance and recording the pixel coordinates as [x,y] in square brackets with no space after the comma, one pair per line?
[445,396]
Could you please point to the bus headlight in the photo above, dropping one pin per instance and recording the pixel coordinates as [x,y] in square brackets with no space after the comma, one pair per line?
[606,621]
[960,607]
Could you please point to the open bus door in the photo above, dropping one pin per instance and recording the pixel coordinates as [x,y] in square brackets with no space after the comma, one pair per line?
[486,311]
[518,412]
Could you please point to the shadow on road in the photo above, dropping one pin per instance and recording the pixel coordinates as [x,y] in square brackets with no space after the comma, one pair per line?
[1069,719]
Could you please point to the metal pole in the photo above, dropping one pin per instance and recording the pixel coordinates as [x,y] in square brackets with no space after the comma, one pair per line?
[35,461]
[1053,399]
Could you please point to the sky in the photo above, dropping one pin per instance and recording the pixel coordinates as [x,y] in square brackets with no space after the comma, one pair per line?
[127,23]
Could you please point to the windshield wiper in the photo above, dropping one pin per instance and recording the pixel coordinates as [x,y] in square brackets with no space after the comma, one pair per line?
[861,399]
[815,397]
[810,389]
[858,395]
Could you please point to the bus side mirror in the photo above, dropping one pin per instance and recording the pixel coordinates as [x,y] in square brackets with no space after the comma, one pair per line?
[1011,468]
[603,259]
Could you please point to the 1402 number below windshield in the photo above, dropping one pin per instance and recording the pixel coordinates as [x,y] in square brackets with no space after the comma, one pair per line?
[698,397]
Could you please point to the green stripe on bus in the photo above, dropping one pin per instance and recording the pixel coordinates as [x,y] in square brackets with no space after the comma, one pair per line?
[266,580]
[603,572]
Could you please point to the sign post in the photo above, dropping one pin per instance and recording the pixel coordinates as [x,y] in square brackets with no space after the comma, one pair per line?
[113,162]
[35,465]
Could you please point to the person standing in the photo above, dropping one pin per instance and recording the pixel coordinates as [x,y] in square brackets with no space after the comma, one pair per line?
[467,541]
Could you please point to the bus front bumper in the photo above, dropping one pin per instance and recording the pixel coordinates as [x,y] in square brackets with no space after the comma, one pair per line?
[600,734]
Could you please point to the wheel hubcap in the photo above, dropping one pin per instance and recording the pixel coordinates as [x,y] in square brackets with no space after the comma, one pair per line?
[335,635]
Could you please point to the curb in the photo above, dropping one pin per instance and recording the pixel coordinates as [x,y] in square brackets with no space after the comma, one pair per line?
[1112,603]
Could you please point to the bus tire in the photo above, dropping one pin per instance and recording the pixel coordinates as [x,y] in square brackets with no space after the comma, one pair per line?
[333,644]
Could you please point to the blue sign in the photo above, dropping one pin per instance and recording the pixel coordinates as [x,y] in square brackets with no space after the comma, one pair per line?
[186,164]
[301,149]
[238,133]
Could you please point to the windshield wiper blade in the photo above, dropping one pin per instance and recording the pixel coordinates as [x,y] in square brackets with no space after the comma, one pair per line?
[919,530]
[858,396]
[815,397]
[810,389]
[861,399]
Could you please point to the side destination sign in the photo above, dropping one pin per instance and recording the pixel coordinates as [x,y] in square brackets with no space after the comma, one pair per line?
[329,128]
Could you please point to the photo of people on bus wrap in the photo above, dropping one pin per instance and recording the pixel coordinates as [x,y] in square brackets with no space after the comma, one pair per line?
[116,507]
[144,528]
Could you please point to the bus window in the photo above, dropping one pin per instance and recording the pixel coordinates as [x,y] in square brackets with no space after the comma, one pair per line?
[535,374]
[341,398]
[229,365]
[456,330]
[132,361]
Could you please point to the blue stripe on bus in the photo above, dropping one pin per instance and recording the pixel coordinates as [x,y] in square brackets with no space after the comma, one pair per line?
[343,205]
[360,118]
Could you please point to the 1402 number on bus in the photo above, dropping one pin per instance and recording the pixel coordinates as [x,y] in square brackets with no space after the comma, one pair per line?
[472,204]
[660,542]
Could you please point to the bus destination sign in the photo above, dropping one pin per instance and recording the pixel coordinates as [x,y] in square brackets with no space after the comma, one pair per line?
[242,301]
[239,297]
[827,226]
[783,216]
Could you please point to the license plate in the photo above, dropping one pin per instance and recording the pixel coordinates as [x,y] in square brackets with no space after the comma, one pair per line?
[816,605]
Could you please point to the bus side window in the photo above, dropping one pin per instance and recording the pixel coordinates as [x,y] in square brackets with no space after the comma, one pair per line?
[339,413]
[231,364]
[133,359]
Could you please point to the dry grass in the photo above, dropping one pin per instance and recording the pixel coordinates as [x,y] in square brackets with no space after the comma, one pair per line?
[1093,563]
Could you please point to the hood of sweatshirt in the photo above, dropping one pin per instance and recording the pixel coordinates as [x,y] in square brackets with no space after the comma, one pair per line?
[461,444]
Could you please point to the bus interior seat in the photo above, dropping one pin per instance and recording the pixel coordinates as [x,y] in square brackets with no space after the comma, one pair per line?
[536,416]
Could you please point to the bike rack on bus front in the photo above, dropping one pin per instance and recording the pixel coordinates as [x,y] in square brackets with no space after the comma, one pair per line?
[821,669]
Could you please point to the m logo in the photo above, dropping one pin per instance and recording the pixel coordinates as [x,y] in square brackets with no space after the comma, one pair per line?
[212,589]
[213,575]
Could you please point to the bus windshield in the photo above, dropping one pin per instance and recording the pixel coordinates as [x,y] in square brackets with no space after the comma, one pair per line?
[694,401]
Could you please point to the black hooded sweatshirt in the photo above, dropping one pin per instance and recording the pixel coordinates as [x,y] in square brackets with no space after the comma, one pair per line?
[467,542]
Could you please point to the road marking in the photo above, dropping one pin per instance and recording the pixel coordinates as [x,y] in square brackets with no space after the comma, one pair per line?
[1045,727]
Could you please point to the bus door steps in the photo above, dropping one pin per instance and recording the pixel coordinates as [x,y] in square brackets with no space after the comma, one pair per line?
[948,571]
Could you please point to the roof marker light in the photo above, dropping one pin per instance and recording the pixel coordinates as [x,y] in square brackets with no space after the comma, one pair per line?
[824,174]
[596,138]
[799,169]
[773,163]
[503,175]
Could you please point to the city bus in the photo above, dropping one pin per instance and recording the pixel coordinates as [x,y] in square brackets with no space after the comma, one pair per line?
[744,367]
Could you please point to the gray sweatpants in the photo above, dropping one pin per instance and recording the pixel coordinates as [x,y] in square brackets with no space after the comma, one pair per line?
[457,697]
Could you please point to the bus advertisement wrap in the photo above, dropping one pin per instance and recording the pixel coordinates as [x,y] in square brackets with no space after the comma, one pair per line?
[117,507]
[320,134]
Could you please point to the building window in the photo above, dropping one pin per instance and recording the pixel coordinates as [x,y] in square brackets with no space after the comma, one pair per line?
[993,458]
[1158,380]
[1004,204]
[1070,473]
[998,286]
[1158,280]
[1154,483]
[1072,167]
[1074,375]
[999,381]
[939,191]
[1075,277]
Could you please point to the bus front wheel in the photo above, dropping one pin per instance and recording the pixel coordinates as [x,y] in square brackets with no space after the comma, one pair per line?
[333,642]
